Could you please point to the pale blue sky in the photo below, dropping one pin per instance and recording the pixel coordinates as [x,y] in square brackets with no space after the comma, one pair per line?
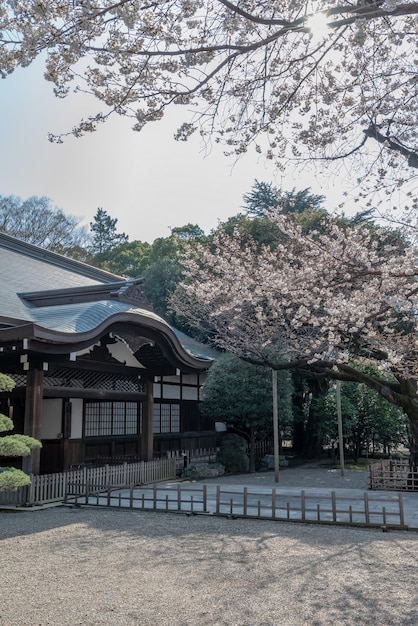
[147,180]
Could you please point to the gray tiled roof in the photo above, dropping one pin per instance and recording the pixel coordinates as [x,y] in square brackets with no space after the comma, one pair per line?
[25,268]
[78,318]
[195,347]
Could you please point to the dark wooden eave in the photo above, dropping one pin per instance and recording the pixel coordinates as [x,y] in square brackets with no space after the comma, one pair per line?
[133,328]
[129,291]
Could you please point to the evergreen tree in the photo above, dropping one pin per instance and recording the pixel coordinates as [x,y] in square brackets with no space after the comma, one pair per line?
[161,280]
[189,232]
[130,259]
[240,394]
[264,196]
[105,237]
[300,201]
[370,423]
[14,445]
[261,198]
[164,271]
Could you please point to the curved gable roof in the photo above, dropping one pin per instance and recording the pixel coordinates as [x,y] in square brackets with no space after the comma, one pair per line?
[53,304]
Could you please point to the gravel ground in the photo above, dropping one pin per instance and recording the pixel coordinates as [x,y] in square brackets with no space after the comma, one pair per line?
[68,566]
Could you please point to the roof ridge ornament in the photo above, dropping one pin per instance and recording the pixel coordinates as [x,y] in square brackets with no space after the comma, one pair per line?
[131,293]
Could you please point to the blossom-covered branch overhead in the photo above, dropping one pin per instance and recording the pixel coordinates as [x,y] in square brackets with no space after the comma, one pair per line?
[249,74]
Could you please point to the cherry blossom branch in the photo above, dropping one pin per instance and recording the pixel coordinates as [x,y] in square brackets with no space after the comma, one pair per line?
[392,144]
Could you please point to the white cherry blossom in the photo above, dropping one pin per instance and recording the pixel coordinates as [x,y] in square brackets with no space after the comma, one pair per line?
[249,74]
[322,300]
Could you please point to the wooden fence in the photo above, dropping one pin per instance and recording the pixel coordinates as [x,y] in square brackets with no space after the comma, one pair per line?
[203,455]
[54,487]
[393,474]
[208,455]
[368,510]
[185,457]
[263,448]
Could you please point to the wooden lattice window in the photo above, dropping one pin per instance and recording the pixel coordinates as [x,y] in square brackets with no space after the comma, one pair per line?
[105,419]
[166,418]
[90,379]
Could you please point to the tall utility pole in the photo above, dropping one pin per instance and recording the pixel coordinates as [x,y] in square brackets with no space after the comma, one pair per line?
[340,426]
[275,426]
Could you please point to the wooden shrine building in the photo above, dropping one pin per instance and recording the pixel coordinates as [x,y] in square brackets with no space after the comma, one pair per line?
[98,374]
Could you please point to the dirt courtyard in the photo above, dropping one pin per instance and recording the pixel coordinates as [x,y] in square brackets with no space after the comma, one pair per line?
[69,566]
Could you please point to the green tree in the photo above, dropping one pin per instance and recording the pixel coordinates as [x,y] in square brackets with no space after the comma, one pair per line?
[105,237]
[189,232]
[14,445]
[297,202]
[306,210]
[369,422]
[257,229]
[240,394]
[164,271]
[158,262]
[131,259]
[161,280]
[261,198]
[265,196]
[303,207]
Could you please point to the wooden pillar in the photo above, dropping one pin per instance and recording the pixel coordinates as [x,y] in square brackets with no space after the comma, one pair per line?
[147,437]
[33,417]
[66,457]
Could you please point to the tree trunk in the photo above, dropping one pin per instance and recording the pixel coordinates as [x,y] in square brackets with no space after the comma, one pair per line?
[407,399]
[413,424]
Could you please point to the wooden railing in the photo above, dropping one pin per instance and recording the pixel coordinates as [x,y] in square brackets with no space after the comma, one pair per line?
[208,455]
[393,474]
[262,448]
[365,510]
[184,457]
[199,454]
[54,487]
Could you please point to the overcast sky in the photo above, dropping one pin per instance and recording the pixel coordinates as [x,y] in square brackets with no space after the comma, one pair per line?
[147,180]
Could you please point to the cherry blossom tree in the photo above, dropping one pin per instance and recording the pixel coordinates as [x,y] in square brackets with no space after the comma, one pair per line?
[294,80]
[327,302]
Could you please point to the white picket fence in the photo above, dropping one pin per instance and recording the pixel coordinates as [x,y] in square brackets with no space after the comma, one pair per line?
[55,487]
